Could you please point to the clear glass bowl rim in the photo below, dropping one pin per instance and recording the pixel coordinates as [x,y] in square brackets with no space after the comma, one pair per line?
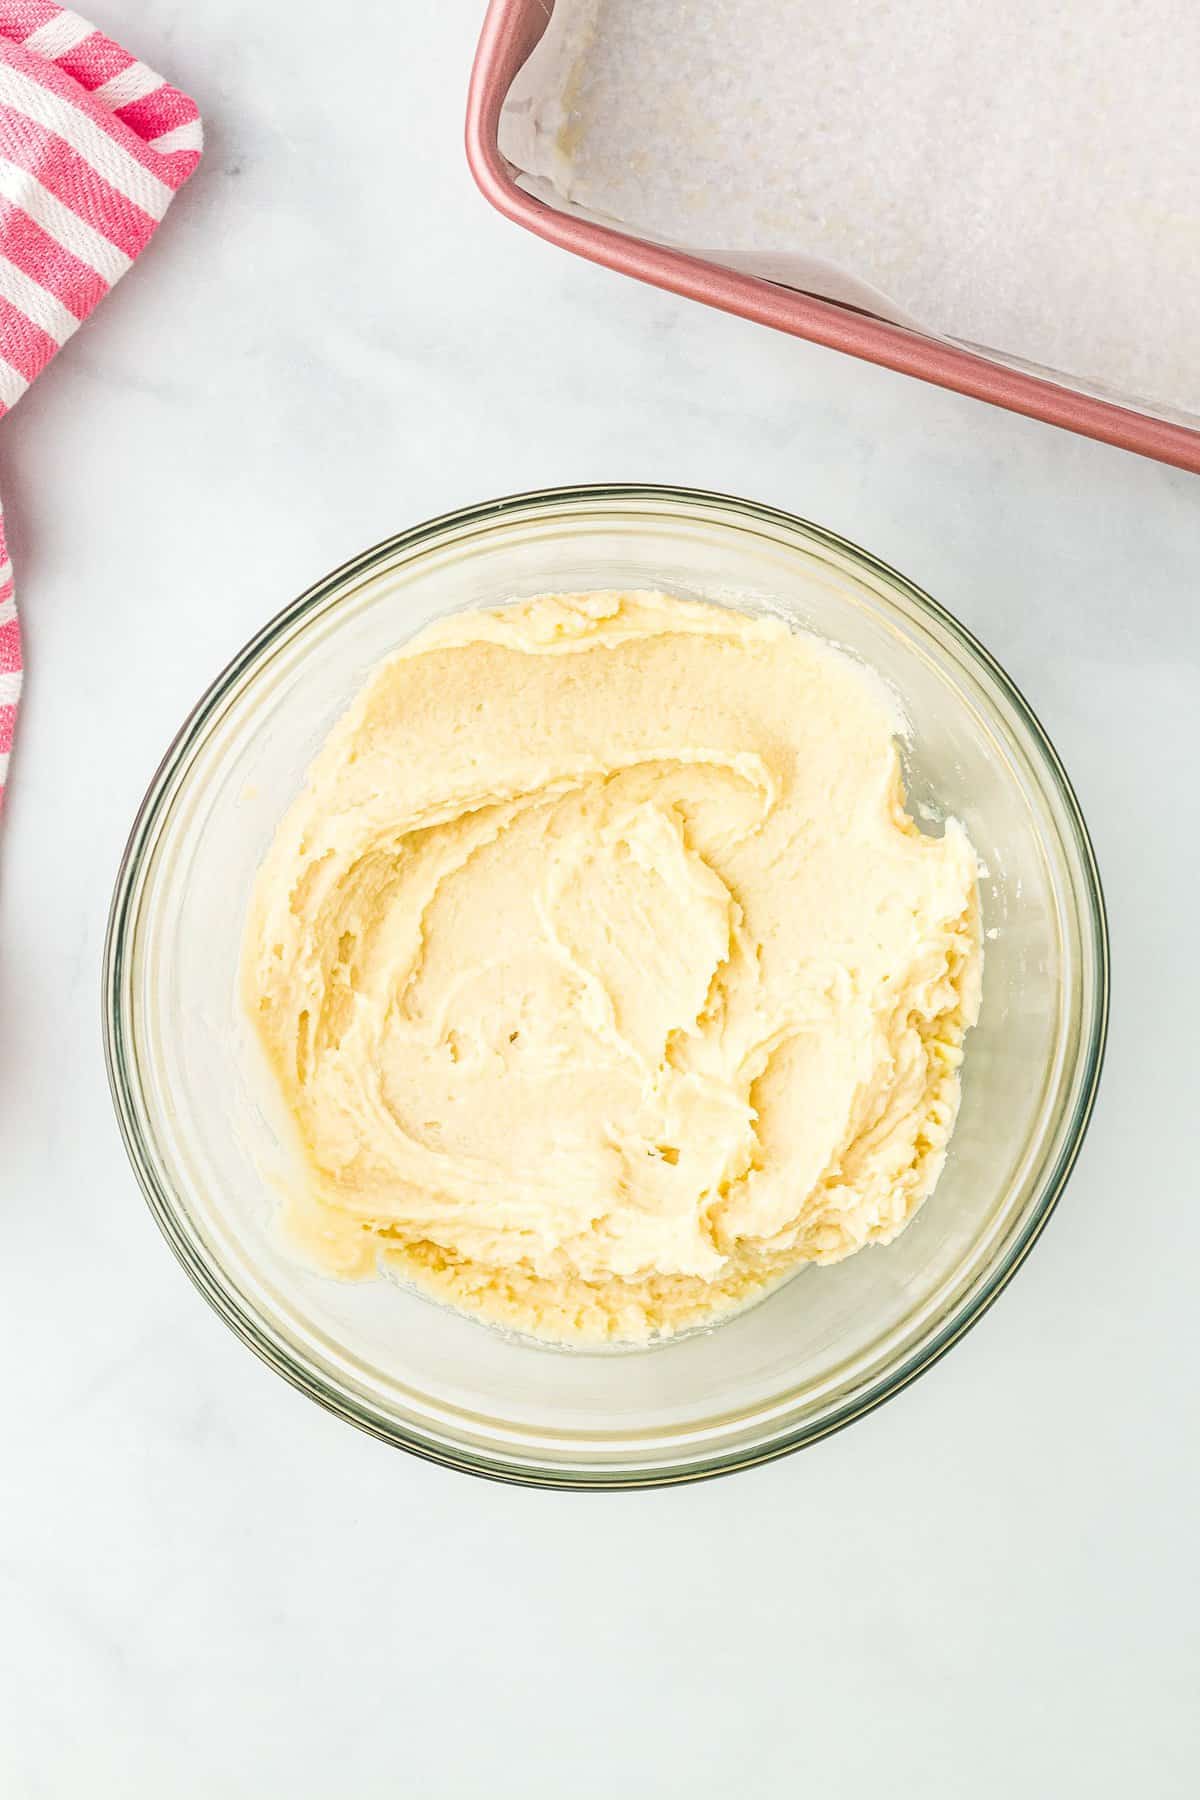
[120,1058]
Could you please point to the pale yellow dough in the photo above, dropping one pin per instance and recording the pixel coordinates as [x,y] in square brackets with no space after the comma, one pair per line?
[603,971]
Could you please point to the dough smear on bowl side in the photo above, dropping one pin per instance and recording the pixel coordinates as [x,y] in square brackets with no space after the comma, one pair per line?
[603,971]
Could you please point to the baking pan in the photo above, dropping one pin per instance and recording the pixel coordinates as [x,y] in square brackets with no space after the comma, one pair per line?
[510,31]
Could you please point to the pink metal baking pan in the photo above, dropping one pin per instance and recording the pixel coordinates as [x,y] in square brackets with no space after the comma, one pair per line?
[510,31]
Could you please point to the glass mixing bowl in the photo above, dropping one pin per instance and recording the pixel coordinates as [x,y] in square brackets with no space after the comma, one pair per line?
[196,1112]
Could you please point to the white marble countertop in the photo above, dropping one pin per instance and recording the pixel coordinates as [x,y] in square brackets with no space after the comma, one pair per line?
[211,1586]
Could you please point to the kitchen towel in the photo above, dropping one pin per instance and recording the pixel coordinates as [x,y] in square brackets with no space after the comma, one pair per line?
[93,147]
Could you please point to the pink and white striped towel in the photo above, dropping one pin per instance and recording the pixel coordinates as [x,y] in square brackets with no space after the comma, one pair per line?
[93,146]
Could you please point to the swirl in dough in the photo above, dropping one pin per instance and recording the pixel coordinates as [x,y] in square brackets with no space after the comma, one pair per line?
[603,971]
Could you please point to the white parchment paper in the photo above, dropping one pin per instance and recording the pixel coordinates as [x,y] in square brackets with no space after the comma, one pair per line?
[1022,176]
